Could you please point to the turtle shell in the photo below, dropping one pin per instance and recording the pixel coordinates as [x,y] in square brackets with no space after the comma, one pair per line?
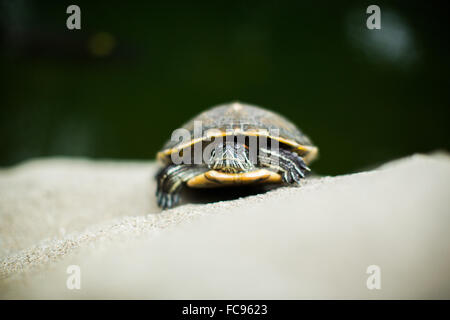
[242,119]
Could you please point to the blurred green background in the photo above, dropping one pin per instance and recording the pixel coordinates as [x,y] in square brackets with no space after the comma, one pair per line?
[138,70]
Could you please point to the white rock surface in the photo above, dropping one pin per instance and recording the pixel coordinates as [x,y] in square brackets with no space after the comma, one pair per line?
[290,243]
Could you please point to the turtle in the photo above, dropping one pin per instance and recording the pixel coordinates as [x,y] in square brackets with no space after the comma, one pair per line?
[280,152]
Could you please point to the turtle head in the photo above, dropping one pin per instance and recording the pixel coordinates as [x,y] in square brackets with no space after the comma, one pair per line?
[230,158]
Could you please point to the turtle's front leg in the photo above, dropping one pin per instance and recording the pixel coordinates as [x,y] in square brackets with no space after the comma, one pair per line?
[288,163]
[171,179]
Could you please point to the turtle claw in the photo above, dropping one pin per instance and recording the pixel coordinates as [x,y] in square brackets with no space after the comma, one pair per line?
[294,173]
[292,177]
[167,200]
